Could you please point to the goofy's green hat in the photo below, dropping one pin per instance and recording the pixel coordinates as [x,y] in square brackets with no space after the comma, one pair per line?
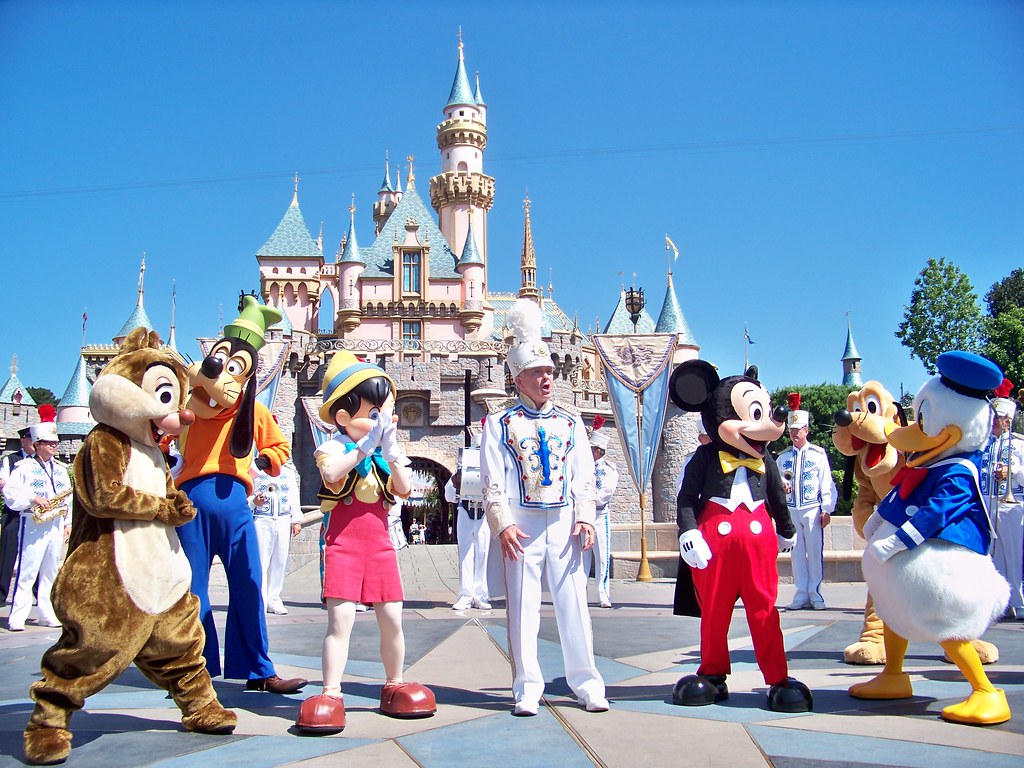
[252,323]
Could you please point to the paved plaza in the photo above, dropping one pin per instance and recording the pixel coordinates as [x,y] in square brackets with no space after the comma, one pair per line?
[642,649]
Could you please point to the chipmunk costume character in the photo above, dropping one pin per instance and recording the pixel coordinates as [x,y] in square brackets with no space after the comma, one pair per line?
[217,453]
[927,563]
[122,594]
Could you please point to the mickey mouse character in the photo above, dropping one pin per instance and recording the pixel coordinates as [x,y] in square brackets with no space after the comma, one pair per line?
[731,494]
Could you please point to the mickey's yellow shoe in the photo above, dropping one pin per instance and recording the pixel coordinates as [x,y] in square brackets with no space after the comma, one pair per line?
[980,708]
[884,686]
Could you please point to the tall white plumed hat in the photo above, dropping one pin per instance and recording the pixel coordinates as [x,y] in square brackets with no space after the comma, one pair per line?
[530,351]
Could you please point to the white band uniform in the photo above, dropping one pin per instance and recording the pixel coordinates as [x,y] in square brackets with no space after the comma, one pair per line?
[1007,516]
[274,519]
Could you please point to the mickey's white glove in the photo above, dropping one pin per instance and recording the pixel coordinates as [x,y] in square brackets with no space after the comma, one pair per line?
[389,447]
[785,545]
[694,549]
[871,525]
[369,442]
[883,549]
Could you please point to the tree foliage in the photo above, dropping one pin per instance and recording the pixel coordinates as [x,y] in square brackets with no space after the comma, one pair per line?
[821,401]
[42,395]
[1004,326]
[942,315]
[1007,294]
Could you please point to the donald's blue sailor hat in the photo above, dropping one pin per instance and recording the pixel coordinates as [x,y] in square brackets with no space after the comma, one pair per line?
[969,374]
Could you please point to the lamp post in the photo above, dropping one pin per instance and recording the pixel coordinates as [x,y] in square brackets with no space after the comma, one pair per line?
[635,305]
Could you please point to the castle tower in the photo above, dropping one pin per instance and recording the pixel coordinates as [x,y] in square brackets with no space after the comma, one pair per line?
[462,191]
[73,408]
[138,317]
[387,199]
[471,267]
[672,320]
[851,361]
[350,268]
[290,263]
[528,260]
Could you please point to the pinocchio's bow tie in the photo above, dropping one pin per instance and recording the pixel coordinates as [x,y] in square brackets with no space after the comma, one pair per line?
[731,463]
[908,478]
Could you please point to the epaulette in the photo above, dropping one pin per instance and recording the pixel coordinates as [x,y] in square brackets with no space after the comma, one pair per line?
[497,406]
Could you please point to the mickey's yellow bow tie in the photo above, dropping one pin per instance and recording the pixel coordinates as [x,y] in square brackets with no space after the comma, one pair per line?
[731,463]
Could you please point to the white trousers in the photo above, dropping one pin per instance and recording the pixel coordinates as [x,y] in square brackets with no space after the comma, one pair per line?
[40,546]
[554,553]
[474,543]
[602,555]
[1008,550]
[808,554]
[274,534]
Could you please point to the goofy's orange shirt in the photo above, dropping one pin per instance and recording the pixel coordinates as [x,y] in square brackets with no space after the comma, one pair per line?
[205,447]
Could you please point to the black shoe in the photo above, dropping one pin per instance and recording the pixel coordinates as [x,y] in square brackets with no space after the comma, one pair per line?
[790,696]
[700,690]
[275,684]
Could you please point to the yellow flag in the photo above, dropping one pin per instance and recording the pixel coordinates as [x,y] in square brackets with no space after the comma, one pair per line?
[670,244]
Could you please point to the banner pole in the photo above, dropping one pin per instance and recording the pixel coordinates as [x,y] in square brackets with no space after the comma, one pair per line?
[643,572]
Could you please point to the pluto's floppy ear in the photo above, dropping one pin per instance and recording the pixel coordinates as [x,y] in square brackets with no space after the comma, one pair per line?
[692,384]
[243,430]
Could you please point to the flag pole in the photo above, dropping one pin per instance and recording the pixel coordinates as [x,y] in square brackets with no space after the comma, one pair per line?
[643,572]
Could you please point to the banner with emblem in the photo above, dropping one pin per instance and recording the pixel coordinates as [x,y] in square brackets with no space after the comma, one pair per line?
[637,368]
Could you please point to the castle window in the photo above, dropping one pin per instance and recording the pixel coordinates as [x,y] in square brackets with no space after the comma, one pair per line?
[411,271]
[412,331]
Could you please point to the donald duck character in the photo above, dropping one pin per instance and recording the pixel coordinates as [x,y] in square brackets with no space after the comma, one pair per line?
[927,563]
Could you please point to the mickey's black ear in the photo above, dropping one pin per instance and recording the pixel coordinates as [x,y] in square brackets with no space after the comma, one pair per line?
[692,384]
[751,372]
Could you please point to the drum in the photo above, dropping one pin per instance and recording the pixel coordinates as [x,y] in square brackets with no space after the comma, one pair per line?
[470,488]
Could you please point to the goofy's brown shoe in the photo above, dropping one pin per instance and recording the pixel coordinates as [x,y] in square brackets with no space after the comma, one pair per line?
[275,684]
[321,714]
[407,700]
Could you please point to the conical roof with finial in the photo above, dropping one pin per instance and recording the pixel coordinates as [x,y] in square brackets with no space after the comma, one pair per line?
[478,97]
[138,318]
[461,93]
[470,254]
[850,353]
[671,319]
[77,392]
[385,186]
[12,385]
[291,239]
[351,252]
[619,322]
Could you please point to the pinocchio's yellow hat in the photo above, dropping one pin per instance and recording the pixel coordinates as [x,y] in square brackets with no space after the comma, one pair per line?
[344,373]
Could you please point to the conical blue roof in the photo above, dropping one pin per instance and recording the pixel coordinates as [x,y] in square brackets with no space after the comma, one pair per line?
[77,392]
[470,254]
[671,319]
[620,322]
[478,97]
[351,252]
[385,186]
[461,93]
[137,319]
[850,353]
[291,239]
[12,385]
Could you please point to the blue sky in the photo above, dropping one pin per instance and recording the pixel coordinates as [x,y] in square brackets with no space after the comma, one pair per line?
[806,157]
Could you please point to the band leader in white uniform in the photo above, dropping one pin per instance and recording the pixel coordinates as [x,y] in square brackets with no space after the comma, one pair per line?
[278,517]
[538,485]
[35,481]
[1002,485]
[606,478]
[811,498]
[474,539]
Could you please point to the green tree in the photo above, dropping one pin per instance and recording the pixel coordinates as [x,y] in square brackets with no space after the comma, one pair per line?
[1004,343]
[42,395]
[821,401]
[1007,294]
[942,314]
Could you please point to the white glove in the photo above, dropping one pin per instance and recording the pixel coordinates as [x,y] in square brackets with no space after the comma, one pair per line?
[694,549]
[871,525]
[368,443]
[389,447]
[785,545]
[883,549]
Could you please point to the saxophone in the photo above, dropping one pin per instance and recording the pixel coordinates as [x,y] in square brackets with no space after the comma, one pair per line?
[56,509]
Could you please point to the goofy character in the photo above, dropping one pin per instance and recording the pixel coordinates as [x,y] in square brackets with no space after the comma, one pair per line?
[217,450]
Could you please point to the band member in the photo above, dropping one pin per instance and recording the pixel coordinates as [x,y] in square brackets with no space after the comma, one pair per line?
[606,479]
[40,489]
[538,480]
[474,538]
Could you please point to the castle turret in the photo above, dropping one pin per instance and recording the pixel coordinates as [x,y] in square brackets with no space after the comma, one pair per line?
[528,260]
[350,268]
[672,320]
[73,414]
[138,318]
[851,361]
[290,264]
[462,190]
[471,267]
[387,199]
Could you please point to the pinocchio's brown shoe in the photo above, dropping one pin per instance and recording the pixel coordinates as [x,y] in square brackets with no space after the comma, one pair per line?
[321,714]
[407,700]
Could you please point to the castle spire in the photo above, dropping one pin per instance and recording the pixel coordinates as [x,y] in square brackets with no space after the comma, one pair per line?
[528,261]
[171,340]
[295,195]
[851,359]
[386,184]
[461,94]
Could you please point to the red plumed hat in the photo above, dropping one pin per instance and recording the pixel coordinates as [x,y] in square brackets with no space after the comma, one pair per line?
[598,422]
[1004,389]
[793,401]
[47,412]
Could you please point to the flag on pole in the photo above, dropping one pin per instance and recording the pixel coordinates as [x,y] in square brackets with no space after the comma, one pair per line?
[746,336]
[637,369]
[670,244]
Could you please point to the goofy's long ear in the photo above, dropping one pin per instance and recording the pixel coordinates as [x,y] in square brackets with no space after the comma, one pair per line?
[245,419]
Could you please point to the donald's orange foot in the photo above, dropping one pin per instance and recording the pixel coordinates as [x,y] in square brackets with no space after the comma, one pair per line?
[980,708]
[884,686]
